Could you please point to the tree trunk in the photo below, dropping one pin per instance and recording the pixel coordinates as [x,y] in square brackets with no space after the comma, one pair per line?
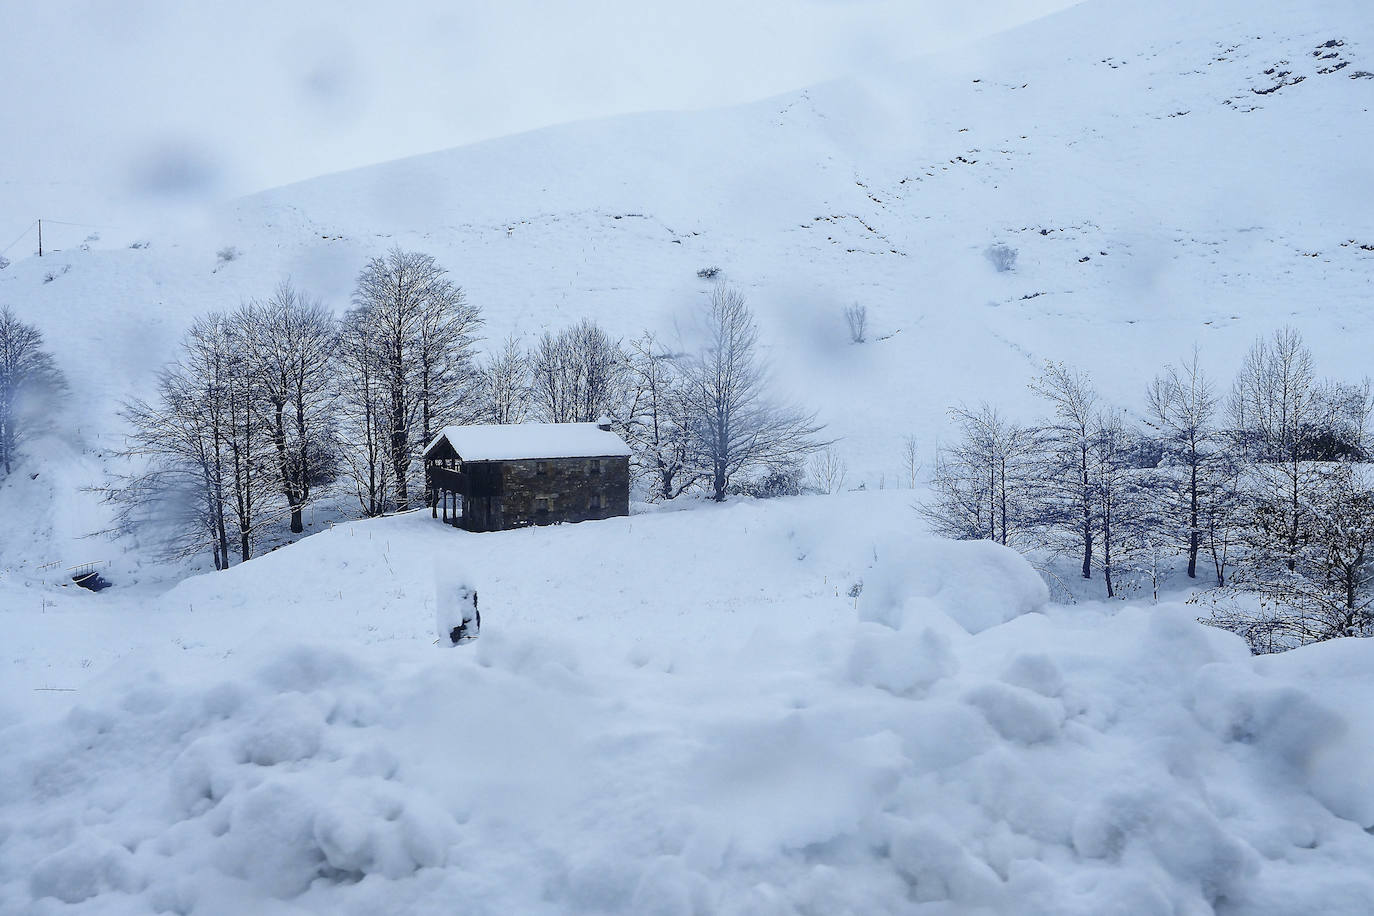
[1193,539]
[222,533]
[1003,499]
[399,428]
[1087,515]
[992,501]
[1107,554]
[302,470]
[1294,532]
[289,487]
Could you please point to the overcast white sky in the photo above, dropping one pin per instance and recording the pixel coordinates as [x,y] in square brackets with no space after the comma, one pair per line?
[106,103]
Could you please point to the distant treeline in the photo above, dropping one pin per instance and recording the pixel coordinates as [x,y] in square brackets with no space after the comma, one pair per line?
[1263,486]
[272,406]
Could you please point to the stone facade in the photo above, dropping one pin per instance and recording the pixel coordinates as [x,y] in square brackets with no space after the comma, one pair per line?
[497,495]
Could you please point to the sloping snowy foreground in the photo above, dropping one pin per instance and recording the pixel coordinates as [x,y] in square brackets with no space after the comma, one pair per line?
[678,713]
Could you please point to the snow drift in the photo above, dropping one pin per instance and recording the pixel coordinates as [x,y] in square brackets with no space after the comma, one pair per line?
[689,712]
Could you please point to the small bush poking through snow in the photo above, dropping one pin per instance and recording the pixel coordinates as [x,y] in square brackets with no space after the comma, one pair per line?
[856,317]
[708,273]
[227,253]
[780,480]
[1002,256]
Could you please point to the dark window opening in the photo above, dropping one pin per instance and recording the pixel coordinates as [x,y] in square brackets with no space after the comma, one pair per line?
[595,501]
[541,468]
[596,466]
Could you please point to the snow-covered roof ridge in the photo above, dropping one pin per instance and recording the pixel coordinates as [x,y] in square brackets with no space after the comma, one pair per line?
[517,441]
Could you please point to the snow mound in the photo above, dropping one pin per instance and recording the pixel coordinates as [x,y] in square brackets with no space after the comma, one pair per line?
[941,741]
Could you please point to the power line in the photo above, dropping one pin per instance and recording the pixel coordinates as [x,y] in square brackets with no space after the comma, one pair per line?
[57,222]
[21,237]
[79,225]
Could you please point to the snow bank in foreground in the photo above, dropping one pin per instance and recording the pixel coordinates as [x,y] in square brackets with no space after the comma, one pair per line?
[937,750]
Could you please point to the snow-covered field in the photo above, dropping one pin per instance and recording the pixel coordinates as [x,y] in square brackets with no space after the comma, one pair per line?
[787,707]
[679,712]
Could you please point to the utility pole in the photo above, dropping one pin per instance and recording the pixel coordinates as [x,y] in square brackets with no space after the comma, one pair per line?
[40,238]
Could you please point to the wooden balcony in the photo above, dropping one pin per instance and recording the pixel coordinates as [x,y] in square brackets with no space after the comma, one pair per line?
[447,480]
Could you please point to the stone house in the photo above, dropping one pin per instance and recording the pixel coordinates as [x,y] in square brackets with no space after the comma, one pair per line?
[493,477]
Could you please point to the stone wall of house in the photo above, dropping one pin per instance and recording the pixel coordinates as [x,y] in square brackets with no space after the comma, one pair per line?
[556,490]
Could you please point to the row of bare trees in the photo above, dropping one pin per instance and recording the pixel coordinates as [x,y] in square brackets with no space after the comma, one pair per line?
[698,412]
[273,404]
[1265,485]
[407,350]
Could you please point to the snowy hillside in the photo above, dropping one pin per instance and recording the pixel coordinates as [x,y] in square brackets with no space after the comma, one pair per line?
[777,707]
[1169,173]
[677,713]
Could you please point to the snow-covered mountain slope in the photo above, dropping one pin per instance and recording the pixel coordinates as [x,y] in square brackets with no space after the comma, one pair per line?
[777,707]
[678,713]
[1169,173]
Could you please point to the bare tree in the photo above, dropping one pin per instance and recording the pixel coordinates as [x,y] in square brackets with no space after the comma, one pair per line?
[31,386]
[738,426]
[1222,512]
[206,465]
[504,384]
[1183,407]
[601,364]
[364,434]
[1335,592]
[1329,591]
[252,479]
[1273,409]
[911,462]
[983,484]
[1071,503]
[828,471]
[1128,528]
[656,421]
[423,330]
[576,374]
[176,497]
[1340,429]
[552,379]
[291,342]
[444,356]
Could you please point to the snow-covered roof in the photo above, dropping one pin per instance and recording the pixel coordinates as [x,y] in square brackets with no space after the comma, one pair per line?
[516,441]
